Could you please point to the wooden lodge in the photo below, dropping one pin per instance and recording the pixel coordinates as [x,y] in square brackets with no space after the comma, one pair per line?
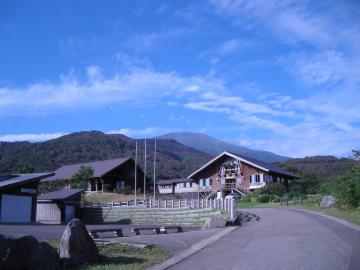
[227,173]
[109,175]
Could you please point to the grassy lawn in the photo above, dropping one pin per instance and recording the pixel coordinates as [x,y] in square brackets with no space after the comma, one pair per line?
[124,257]
[242,204]
[346,214]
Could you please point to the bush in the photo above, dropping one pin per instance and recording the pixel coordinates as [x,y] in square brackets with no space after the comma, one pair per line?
[274,189]
[45,187]
[250,197]
[128,190]
[348,189]
[108,187]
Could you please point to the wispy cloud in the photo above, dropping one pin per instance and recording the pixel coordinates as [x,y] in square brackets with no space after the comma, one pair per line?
[32,137]
[138,85]
[149,131]
[289,20]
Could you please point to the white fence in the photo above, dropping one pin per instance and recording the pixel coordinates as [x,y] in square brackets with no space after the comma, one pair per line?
[228,205]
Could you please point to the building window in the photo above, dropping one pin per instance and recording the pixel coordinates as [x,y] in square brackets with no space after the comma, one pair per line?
[165,186]
[205,182]
[188,185]
[257,178]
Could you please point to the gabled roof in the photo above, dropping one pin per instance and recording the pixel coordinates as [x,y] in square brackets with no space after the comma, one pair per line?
[254,162]
[59,195]
[13,180]
[173,181]
[100,168]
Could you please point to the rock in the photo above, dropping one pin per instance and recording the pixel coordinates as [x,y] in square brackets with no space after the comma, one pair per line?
[327,201]
[76,246]
[25,253]
[217,221]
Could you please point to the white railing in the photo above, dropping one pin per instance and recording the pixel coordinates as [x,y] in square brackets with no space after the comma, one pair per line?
[257,185]
[228,205]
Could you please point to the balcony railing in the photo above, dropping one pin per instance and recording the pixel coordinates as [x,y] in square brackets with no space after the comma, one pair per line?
[257,185]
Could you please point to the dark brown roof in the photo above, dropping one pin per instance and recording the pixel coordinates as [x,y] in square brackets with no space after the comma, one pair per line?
[100,168]
[173,181]
[12,180]
[257,163]
[60,195]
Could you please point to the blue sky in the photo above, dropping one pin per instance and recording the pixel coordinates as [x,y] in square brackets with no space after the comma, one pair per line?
[283,76]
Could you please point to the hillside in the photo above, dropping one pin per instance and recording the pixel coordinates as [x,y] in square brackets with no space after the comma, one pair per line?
[213,146]
[318,167]
[174,159]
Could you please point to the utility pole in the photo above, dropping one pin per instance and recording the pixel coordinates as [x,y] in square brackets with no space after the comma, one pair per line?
[135,171]
[145,172]
[154,171]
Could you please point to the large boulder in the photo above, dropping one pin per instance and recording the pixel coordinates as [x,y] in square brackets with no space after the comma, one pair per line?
[327,201]
[76,246]
[25,253]
[218,221]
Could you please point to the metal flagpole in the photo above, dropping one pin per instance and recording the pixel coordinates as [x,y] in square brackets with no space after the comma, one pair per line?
[135,171]
[145,172]
[154,170]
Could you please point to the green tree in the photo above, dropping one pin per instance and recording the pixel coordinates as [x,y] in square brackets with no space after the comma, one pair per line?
[26,169]
[82,177]
[356,154]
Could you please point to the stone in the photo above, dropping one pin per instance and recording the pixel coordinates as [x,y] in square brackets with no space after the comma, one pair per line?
[25,253]
[327,201]
[213,222]
[76,245]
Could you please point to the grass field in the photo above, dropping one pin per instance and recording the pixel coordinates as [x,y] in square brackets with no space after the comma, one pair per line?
[124,257]
[346,214]
[351,215]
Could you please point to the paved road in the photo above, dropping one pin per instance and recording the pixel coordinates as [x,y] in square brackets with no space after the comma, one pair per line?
[282,239]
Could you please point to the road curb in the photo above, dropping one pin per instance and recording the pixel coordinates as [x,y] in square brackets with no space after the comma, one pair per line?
[191,250]
[343,222]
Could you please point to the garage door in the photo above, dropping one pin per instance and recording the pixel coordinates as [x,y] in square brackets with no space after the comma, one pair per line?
[15,208]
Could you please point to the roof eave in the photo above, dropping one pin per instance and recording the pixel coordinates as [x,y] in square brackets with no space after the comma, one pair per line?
[229,154]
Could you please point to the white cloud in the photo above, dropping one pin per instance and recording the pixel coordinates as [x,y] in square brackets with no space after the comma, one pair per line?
[32,137]
[290,20]
[318,68]
[139,85]
[232,46]
[149,131]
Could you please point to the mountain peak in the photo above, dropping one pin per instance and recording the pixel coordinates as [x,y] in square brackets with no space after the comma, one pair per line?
[214,146]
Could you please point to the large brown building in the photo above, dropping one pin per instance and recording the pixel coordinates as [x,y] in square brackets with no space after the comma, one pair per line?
[109,175]
[225,173]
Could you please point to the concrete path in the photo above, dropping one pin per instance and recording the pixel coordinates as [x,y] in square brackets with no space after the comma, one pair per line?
[281,239]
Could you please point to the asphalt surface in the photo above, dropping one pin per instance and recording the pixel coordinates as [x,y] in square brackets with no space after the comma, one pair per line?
[53,232]
[173,242]
[281,239]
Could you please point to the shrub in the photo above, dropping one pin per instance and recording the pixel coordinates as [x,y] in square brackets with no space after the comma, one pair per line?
[250,197]
[82,177]
[348,189]
[128,190]
[45,187]
[274,189]
[108,187]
